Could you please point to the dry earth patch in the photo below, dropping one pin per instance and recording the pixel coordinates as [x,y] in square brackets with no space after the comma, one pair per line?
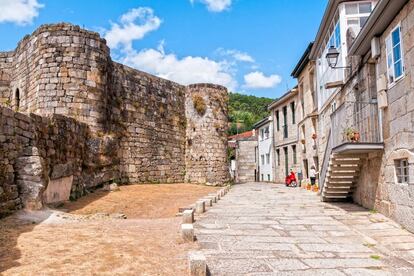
[86,241]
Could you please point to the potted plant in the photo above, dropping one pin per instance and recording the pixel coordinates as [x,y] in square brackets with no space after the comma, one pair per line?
[352,134]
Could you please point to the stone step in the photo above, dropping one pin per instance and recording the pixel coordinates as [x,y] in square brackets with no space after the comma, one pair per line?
[339,188]
[341,195]
[345,162]
[343,168]
[342,173]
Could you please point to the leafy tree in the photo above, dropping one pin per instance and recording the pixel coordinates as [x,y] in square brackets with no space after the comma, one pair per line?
[245,111]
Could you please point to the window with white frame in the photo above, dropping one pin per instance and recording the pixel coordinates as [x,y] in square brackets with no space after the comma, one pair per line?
[267,158]
[268,177]
[401,170]
[262,134]
[357,15]
[263,159]
[395,64]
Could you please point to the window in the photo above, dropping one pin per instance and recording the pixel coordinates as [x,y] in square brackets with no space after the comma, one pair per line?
[277,120]
[267,158]
[401,170]
[337,36]
[263,159]
[292,107]
[268,177]
[262,134]
[278,157]
[358,8]
[395,66]
[17,98]
[266,132]
[262,178]
[295,159]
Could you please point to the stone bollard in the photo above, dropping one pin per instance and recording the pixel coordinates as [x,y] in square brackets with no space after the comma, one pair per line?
[208,202]
[200,207]
[198,263]
[222,192]
[218,196]
[187,232]
[188,216]
[213,198]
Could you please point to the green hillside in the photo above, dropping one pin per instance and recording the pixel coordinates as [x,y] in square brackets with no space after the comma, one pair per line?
[246,110]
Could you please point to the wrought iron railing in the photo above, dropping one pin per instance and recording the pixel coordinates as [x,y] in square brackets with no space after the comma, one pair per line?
[355,122]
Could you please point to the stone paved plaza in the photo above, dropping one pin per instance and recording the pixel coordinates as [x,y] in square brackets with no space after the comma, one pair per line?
[268,229]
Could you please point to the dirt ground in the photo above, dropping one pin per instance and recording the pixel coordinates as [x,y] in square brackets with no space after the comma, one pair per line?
[86,241]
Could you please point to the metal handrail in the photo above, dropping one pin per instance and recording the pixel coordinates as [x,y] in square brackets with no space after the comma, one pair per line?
[361,117]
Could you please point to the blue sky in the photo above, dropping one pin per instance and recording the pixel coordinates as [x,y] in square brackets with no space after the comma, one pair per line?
[250,46]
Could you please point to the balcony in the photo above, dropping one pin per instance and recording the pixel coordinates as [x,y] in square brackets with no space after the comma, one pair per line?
[355,128]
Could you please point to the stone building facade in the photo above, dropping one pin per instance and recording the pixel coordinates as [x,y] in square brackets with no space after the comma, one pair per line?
[90,121]
[304,72]
[389,187]
[376,98]
[285,113]
[246,158]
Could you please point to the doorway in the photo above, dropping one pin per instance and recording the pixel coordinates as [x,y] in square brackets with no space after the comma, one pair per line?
[285,150]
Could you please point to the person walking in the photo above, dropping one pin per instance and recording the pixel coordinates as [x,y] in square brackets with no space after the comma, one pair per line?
[312,175]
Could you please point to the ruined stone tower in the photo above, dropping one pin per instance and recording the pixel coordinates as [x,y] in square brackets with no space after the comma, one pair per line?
[86,120]
[206,148]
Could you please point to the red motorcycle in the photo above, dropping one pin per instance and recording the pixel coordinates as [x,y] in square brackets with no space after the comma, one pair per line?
[290,180]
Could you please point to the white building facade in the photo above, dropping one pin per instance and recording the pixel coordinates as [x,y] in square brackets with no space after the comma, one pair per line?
[264,128]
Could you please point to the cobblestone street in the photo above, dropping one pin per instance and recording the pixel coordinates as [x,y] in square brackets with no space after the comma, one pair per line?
[267,229]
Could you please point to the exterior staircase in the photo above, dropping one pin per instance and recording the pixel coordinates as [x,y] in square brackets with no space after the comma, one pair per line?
[341,177]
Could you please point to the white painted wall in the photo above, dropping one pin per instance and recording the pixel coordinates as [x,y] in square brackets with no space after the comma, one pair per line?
[265,147]
[324,73]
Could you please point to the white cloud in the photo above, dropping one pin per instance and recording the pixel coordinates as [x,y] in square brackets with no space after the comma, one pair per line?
[215,5]
[21,12]
[258,80]
[135,24]
[186,70]
[237,55]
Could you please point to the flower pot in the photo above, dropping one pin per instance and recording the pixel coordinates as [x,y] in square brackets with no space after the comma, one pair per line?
[357,136]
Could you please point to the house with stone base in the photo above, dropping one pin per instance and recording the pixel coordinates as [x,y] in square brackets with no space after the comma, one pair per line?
[368,133]
[284,112]
[304,72]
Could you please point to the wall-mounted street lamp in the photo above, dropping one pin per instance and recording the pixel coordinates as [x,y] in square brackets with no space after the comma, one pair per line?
[332,56]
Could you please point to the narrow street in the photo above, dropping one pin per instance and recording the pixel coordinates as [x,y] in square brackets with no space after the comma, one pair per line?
[268,229]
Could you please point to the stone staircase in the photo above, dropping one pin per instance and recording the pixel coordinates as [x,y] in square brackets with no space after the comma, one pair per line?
[341,177]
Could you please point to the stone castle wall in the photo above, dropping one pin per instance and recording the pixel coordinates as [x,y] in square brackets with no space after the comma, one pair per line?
[37,152]
[6,63]
[206,154]
[152,121]
[95,121]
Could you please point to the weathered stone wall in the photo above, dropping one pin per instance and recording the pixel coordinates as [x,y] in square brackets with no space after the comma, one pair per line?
[6,62]
[94,121]
[206,147]
[62,69]
[153,122]
[36,151]
[246,160]
[397,199]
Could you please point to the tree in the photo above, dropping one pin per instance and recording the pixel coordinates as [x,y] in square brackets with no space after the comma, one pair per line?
[245,111]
